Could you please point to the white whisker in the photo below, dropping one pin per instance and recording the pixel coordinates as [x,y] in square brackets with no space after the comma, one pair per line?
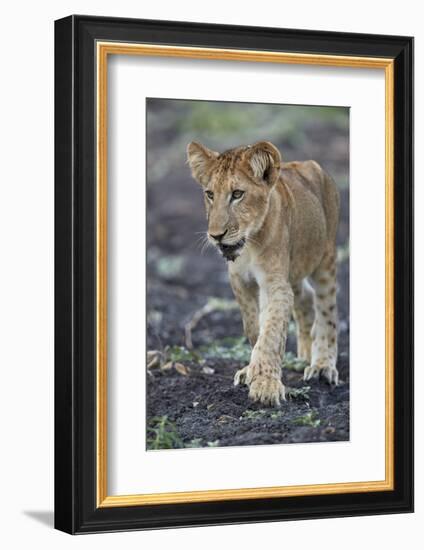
[205,246]
[200,241]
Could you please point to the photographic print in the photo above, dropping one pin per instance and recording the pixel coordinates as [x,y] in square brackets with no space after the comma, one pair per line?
[247,274]
[219,292]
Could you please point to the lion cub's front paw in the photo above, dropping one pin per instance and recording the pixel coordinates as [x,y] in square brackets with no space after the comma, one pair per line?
[331,374]
[267,390]
[264,384]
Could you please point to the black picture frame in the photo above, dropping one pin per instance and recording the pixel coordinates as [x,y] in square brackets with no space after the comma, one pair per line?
[76,508]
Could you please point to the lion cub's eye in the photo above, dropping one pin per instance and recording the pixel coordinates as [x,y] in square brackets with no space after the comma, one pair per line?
[237,194]
[209,194]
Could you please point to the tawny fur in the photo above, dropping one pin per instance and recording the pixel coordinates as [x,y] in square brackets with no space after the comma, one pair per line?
[281,234]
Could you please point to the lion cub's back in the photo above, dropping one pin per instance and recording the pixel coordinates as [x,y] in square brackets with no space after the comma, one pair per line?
[304,177]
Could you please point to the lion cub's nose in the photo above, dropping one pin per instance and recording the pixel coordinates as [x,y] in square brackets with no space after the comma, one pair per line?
[218,238]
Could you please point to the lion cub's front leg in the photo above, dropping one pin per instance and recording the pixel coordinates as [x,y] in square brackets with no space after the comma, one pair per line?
[246,294]
[263,374]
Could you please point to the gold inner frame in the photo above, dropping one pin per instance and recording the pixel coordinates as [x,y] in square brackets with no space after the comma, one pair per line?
[104,49]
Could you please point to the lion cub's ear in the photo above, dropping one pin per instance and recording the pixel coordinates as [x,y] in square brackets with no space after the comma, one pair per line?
[200,159]
[264,160]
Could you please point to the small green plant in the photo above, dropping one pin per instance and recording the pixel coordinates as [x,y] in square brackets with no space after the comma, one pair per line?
[299,393]
[162,434]
[291,362]
[194,443]
[309,419]
[235,349]
[259,414]
[198,443]
[179,354]
[253,415]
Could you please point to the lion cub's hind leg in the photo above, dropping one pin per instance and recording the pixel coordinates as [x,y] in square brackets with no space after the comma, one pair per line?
[304,315]
[324,330]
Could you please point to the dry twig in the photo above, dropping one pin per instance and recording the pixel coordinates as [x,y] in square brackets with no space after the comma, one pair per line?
[213,304]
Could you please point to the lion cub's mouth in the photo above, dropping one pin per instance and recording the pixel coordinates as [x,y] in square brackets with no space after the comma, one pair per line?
[231,251]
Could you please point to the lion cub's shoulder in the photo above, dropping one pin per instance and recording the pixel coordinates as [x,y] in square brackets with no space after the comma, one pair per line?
[309,175]
[309,169]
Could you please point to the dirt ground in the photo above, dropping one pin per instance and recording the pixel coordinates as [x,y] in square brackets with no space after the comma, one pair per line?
[191,400]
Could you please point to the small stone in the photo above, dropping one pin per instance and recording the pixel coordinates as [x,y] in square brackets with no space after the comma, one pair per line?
[208,370]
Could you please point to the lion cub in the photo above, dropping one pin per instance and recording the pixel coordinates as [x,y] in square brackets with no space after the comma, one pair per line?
[275,223]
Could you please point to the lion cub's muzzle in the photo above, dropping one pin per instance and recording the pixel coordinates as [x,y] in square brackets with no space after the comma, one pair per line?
[231,251]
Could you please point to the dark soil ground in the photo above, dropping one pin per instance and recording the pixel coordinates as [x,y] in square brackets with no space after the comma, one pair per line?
[191,400]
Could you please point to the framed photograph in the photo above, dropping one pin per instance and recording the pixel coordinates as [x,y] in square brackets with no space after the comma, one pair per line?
[234,274]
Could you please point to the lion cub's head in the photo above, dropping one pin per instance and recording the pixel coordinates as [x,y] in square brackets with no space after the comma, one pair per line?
[236,187]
